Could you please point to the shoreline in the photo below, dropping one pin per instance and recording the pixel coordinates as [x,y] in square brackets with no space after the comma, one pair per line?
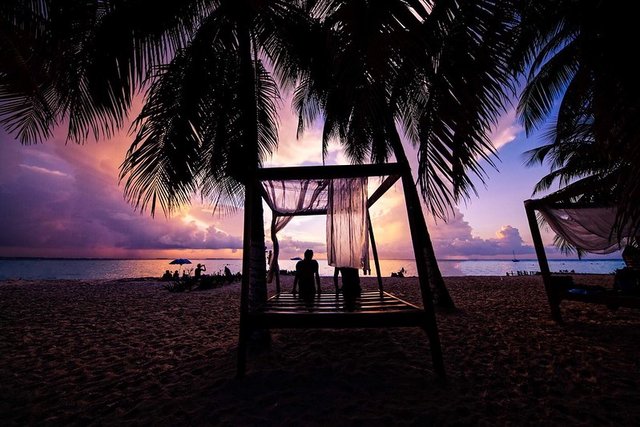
[79,269]
[129,352]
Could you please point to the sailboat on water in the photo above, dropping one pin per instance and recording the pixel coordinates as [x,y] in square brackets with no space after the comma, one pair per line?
[514,259]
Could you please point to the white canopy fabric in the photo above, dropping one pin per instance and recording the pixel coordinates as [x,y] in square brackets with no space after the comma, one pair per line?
[348,223]
[587,228]
[343,200]
[287,198]
[291,197]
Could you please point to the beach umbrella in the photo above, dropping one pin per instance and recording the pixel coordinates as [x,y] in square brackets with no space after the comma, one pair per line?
[180,262]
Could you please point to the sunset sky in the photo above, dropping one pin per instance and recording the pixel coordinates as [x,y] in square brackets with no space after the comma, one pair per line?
[63,200]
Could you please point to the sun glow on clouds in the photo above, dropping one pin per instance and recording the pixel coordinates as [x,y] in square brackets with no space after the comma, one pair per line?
[187,218]
[44,170]
[506,130]
[60,199]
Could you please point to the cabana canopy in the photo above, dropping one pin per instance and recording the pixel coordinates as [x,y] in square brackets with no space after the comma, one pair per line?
[292,191]
[340,193]
[588,226]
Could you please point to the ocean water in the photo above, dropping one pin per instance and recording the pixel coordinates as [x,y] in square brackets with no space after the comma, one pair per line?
[90,269]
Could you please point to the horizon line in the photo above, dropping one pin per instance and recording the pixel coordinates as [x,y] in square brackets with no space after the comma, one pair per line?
[240,259]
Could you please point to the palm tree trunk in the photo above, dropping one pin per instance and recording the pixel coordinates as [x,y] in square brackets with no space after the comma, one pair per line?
[253,264]
[426,262]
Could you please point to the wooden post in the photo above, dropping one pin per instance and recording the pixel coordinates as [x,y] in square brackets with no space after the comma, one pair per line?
[375,254]
[554,303]
[276,252]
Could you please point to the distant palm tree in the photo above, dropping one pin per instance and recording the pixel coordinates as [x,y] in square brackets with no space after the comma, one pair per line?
[436,68]
[575,58]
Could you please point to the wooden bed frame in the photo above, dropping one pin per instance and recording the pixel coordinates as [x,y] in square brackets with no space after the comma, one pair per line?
[377,309]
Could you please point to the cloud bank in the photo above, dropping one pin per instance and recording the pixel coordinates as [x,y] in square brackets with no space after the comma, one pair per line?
[64,200]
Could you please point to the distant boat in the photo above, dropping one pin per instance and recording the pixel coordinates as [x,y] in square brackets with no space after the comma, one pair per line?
[296,258]
[514,257]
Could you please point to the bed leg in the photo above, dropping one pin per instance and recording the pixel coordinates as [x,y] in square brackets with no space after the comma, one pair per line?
[242,351]
[555,313]
[436,352]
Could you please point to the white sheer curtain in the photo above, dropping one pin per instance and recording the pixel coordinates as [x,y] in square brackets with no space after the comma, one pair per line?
[296,196]
[587,228]
[293,197]
[347,224]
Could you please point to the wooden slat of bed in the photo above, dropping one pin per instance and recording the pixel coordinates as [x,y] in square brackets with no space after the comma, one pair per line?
[329,311]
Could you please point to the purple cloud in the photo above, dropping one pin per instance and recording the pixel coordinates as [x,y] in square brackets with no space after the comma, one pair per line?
[65,199]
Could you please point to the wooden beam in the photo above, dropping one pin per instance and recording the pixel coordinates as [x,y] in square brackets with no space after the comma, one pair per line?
[328,172]
[384,187]
[554,303]
[305,213]
[537,238]
[375,253]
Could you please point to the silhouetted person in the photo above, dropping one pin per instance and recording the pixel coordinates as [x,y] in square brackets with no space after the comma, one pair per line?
[227,274]
[351,289]
[166,275]
[199,269]
[336,273]
[307,277]
[176,275]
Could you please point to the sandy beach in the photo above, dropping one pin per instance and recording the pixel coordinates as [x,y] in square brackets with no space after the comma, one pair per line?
[129,352]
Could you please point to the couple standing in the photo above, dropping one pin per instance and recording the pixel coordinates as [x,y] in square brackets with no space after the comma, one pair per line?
[308,280]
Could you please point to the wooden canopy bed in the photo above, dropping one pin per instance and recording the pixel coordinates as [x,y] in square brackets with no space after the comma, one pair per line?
[589,227]
[374,309]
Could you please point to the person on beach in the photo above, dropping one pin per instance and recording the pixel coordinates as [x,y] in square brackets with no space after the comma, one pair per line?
[307,277]
[199,269]
[351,288]
[167,275]
[176,275]
[227,274]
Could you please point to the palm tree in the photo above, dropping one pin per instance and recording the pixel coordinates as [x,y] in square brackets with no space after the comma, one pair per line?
[210,119]
[574,57]
[211,107]
[407,62]
[210,112]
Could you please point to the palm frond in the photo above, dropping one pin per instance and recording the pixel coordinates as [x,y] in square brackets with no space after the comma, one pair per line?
[190,135]
[185,106]
[468,86]
[538,97]
[87,59]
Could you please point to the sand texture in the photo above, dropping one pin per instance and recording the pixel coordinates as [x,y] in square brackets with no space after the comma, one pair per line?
[129,352]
